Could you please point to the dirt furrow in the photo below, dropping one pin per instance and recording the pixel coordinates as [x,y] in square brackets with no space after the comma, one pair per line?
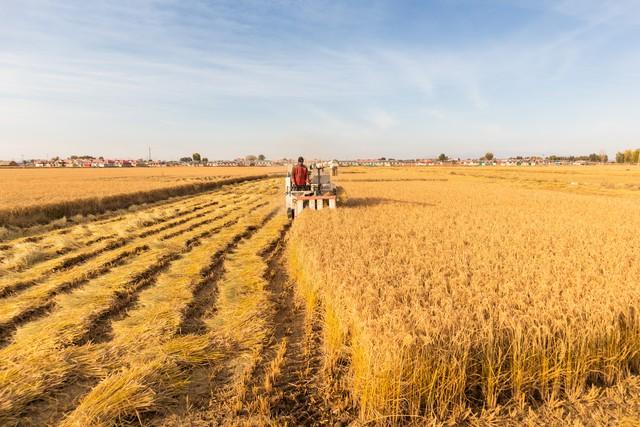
[206,292]
[203,305]
[287,385]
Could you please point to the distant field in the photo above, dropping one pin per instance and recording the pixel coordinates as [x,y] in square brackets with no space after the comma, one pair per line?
[621,180]
[28,187]
[30,196]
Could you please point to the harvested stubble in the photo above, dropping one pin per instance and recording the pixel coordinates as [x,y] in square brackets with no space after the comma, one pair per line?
[70,190]
[37,360]
[100,249]
[461,295]
[52,244]
[12,280]
[34,297]
[144,346]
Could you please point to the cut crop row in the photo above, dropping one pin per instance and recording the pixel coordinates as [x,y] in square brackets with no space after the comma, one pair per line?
[17,281]
[24,253]
[37,361]
[33,299]
[80,253]
[152,358]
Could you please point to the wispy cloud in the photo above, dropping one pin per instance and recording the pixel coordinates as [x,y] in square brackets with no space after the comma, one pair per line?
[380,119]
[322,70]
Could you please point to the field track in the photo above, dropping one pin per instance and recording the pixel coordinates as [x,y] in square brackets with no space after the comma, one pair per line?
[152,315]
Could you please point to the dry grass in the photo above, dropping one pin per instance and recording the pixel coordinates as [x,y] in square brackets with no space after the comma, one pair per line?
[22,256]
[450,294]
[122,225]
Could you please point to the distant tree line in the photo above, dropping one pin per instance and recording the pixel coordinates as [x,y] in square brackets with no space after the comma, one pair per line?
[593,157]
[628,156]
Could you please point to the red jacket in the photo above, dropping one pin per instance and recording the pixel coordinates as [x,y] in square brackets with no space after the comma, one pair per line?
[300,175]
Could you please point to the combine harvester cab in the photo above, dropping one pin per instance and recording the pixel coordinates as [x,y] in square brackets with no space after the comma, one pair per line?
[314,196]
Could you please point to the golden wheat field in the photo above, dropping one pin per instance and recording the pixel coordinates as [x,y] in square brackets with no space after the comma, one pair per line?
[431,296]
[475,295]
[32,186]
[36,196]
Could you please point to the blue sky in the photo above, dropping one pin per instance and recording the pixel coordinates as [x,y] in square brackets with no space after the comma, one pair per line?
[343,79]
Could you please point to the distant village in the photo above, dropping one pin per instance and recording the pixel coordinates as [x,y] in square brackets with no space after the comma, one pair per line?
[102,162]
[196,160]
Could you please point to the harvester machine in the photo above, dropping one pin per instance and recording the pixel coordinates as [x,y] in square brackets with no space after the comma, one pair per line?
[319,194]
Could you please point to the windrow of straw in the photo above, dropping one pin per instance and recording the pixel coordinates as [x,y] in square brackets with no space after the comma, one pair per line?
[244,310]
[149,371]
[36,296]
[52,244]
[98,251]
[459,296]
[44,213]
[35,361]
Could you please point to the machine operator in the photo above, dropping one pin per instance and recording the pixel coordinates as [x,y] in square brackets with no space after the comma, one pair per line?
[300,176]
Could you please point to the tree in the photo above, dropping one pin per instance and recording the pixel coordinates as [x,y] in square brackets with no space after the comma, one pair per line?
[604,158]
[489,156]
[196,157]
[251,158]
[205,160]
[619,157]
[593,157]
[261,157]
[186,159]
[443,157]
